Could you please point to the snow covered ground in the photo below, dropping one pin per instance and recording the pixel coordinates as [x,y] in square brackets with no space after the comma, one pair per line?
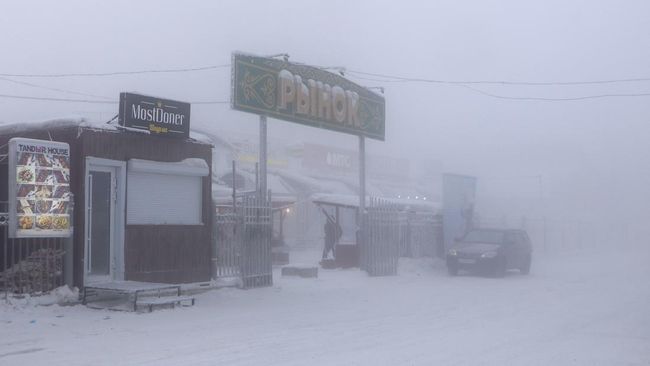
[574,309]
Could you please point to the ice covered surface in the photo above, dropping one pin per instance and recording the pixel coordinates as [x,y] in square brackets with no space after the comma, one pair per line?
[578,308]
[63,295]
[78,121]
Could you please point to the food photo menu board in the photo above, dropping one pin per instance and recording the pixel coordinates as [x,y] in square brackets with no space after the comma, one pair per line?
[39,188]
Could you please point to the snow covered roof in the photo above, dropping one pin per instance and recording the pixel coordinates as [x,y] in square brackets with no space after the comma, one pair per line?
[279,190]
[209,138]
[79,122]
[308,185]
[23,127]
[353,201]
[395,190]
[336,199]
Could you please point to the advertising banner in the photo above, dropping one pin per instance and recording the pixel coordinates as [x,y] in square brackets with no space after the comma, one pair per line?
[39,188]
[329,159]
[307,95]
[458,201]
[158,116]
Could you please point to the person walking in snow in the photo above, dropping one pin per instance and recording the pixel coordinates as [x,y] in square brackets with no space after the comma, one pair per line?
[332,235]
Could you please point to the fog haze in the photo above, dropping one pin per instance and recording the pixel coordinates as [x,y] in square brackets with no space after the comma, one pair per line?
[581,160]
[546,103]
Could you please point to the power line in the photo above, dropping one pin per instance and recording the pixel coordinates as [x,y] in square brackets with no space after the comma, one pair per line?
[58,99]
[557,99]
[585,97]
[212,102]
[52,89]
[356,74]
[116,73]
[398,79]
[93,101]
[387,77]
[374,79]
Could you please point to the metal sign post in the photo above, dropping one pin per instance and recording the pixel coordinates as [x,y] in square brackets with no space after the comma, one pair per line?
[262,156]
[362,186]
[310,96]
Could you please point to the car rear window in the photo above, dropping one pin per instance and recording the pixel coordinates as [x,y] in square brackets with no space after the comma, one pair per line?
[484,236]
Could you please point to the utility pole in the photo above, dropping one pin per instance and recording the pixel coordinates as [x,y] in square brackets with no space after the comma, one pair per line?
[362,174]
[541,202]
[262,157]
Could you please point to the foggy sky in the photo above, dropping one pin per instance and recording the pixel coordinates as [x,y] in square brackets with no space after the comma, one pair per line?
[592,155]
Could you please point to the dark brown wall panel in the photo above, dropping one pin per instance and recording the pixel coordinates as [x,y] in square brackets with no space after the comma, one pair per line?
[153,253]
[167,253]
[160,253]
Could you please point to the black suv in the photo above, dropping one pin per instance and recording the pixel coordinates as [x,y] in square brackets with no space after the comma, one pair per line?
[491,251]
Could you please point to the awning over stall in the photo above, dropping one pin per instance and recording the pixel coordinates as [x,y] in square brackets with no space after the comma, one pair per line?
[352,201]
[281,195]
[306,186]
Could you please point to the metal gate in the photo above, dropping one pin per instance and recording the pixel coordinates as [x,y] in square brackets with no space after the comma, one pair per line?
[420,234]
[379,252]
[226,242]
[242,241]
[29,265]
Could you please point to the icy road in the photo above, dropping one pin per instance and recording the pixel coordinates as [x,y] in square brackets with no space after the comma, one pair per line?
[574,309]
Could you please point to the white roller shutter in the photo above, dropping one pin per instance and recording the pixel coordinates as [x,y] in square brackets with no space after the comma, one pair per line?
[165,193]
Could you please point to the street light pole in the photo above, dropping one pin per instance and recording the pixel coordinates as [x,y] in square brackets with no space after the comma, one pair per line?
[362,195]
[541,201]
[362,174]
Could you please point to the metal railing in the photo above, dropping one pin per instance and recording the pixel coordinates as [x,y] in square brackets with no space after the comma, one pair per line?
[391,233]
[28,265]
[420,234]
[379,252]
[256,259]
[226,243]
[242,241]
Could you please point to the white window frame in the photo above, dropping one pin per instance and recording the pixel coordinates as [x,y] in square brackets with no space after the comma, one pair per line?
[117,244]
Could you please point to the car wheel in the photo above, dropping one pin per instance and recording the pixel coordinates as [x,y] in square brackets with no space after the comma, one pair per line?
[452,268]
[500,268]
[525,269]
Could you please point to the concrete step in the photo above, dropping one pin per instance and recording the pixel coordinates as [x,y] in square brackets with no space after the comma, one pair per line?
[134,296]
[151,303]
[300,271]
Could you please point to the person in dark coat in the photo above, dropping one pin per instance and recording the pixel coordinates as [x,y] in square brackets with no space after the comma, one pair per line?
[332,234]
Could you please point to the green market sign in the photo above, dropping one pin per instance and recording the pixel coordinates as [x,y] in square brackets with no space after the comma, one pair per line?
[306,95]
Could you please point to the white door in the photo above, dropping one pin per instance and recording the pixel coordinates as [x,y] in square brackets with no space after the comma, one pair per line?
[100,200]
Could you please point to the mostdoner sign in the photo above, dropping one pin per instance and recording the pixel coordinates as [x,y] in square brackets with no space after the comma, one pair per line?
[158,116]
[306,95]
